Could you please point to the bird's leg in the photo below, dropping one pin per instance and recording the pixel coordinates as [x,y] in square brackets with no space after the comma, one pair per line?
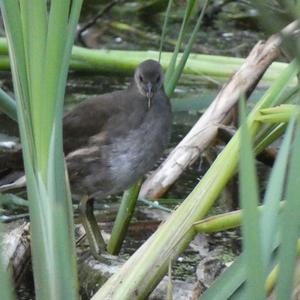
[89,222]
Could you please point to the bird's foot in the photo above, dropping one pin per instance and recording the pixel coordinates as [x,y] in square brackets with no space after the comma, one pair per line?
[89,222]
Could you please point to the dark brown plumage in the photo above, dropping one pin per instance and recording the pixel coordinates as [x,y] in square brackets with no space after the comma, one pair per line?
[111,140]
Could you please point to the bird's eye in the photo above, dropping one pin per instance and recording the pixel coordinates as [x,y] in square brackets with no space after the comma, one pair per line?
[141,78]
[158,79]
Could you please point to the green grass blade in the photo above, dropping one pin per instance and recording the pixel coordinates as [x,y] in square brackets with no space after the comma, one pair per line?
[274,118]
[290,222]
[60,204]
[163,34]
[54,55]
[186,19]
[250,220]
[12,21]
[25,33]
[56,172]
[70,35]
[173,79]
[34,27]
[63,71]
[270,137]
[273,196]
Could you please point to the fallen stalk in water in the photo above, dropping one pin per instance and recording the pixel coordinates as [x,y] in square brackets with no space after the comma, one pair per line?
[124,62]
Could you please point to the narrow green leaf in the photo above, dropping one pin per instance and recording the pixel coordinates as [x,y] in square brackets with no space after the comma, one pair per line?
[274,118]
[34,28]
[54,55]
[173,79]
[61,232]
[162,39]
[278,114]
[290,223]
[273,196]
[289,108]
[12,21]
[269,136]
[70,35]
[250,220]
[186,19]
[25,34]
[60,193]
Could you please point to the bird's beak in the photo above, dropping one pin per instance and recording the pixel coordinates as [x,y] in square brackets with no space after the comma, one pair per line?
[149,93]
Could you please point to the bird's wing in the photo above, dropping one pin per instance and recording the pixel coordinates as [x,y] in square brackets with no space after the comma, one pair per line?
[88,119]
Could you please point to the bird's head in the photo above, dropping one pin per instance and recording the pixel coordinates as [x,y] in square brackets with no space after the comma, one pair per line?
[149,78]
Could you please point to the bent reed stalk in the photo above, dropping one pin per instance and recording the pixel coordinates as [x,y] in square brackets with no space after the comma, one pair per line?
[124,62]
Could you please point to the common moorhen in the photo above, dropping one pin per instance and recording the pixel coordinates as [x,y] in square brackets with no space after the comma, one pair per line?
[112,140]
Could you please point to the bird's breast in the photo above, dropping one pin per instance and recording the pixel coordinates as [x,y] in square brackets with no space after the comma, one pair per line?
[131,156]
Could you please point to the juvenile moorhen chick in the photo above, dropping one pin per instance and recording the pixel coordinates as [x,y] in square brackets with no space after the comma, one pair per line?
[112,140]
